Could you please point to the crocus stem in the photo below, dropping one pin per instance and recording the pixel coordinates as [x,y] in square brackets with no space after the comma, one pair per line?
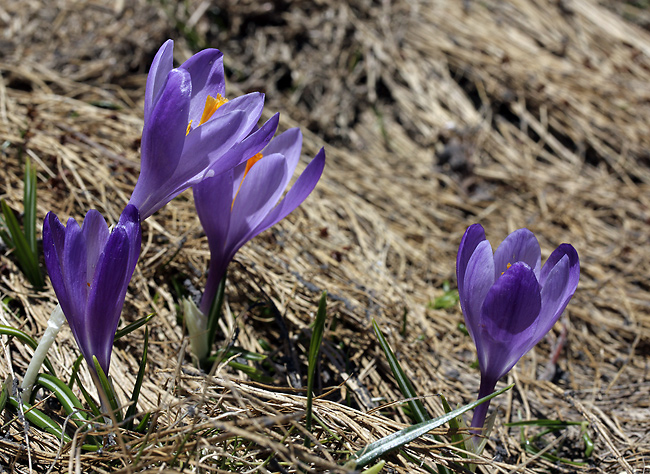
[478,420]
[215,311]
[53,326]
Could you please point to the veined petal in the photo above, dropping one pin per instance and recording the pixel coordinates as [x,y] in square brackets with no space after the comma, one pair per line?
[206,70]
[53,244]
[162,63]
[163,139]
[130,222]
[479,277]
[561,273]
[509,319]
[519,246]
[95,233]
[288,144]
[252,104]
[302,188]
[474,235]
[213,201]
[258,194]
[74,268]
[106,299]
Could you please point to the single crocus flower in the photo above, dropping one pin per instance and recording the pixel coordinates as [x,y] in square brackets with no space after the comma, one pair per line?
[237,205]
[90,268]
[189,126]
[509,300]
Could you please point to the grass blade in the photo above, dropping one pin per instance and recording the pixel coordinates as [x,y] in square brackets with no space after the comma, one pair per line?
[215,311]
[108,390]
[133,326]
[130,412]
[314,350]
[27,260]
[29,202]
[417,407]
[396,440]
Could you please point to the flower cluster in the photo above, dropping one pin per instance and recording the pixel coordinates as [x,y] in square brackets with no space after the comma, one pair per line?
[192,136]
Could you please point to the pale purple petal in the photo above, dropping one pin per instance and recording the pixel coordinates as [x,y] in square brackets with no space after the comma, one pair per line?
[479,277]
[259,192]
[162,63]
[95,232]
[288,144]
[302,188]
[206,70]
[560,273]
[252,104]
[163,139]
[519,246]
[474,235]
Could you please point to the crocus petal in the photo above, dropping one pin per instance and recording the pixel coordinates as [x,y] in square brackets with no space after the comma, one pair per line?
[519,246]
[289,144]
[163,139]
[479,277]
[560,273]
[74,266]
[130,222]
[206,71]
[258,194]
[95,233]
[474,235]
[53,244]
[508,319]
[252,104]
[105,301]
[302,188]
[160,67]
[213,200]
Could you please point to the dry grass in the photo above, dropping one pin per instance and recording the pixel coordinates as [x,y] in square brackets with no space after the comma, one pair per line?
[434,115]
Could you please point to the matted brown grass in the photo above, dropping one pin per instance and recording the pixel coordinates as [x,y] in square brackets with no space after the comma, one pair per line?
[434,115]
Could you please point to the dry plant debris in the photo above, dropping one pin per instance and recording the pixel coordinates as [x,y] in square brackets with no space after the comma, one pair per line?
[434,115]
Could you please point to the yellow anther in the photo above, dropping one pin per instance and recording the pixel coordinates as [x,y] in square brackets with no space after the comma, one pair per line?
[507,266]
[249,164]
[189,127]
[211,106]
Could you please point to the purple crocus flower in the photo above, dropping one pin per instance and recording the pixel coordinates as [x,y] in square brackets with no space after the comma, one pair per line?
[509,300]
[239,204]
[90,268]
[189,126]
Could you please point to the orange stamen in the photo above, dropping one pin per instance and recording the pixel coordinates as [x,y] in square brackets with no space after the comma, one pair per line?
[249,164]
[507,266]
[211,106]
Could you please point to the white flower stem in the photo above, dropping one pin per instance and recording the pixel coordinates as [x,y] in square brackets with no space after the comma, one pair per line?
[53,326]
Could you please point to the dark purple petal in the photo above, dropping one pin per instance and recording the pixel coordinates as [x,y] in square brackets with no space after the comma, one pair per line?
[53,244]
[474,235]
[560,273]
[162,63]
[206,70]
[163,139]
[259,193]
[479,277]
[106,299]
[519,246]
[95,233]
[130,222]
[302,188]
[508,320]
[74,267]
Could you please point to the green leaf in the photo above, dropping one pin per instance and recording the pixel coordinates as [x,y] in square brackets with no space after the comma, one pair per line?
[4,395]
[26,339]
[396,440]
[27,260]
[415,404]
[133,326]
[89,401]
[68,400]
[314,350]
[75,370]
[108,390]
[376,469]
[130,412]
[29,202]
[456,438]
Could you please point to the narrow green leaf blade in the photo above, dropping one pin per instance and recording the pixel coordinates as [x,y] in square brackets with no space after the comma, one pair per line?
[314,350]
[29,202]
[108,390]
[417,407]
[133,326]
[130,413]
[396,440]
[68,400]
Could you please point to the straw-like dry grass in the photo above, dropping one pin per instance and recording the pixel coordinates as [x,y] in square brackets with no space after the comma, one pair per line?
[434,115]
